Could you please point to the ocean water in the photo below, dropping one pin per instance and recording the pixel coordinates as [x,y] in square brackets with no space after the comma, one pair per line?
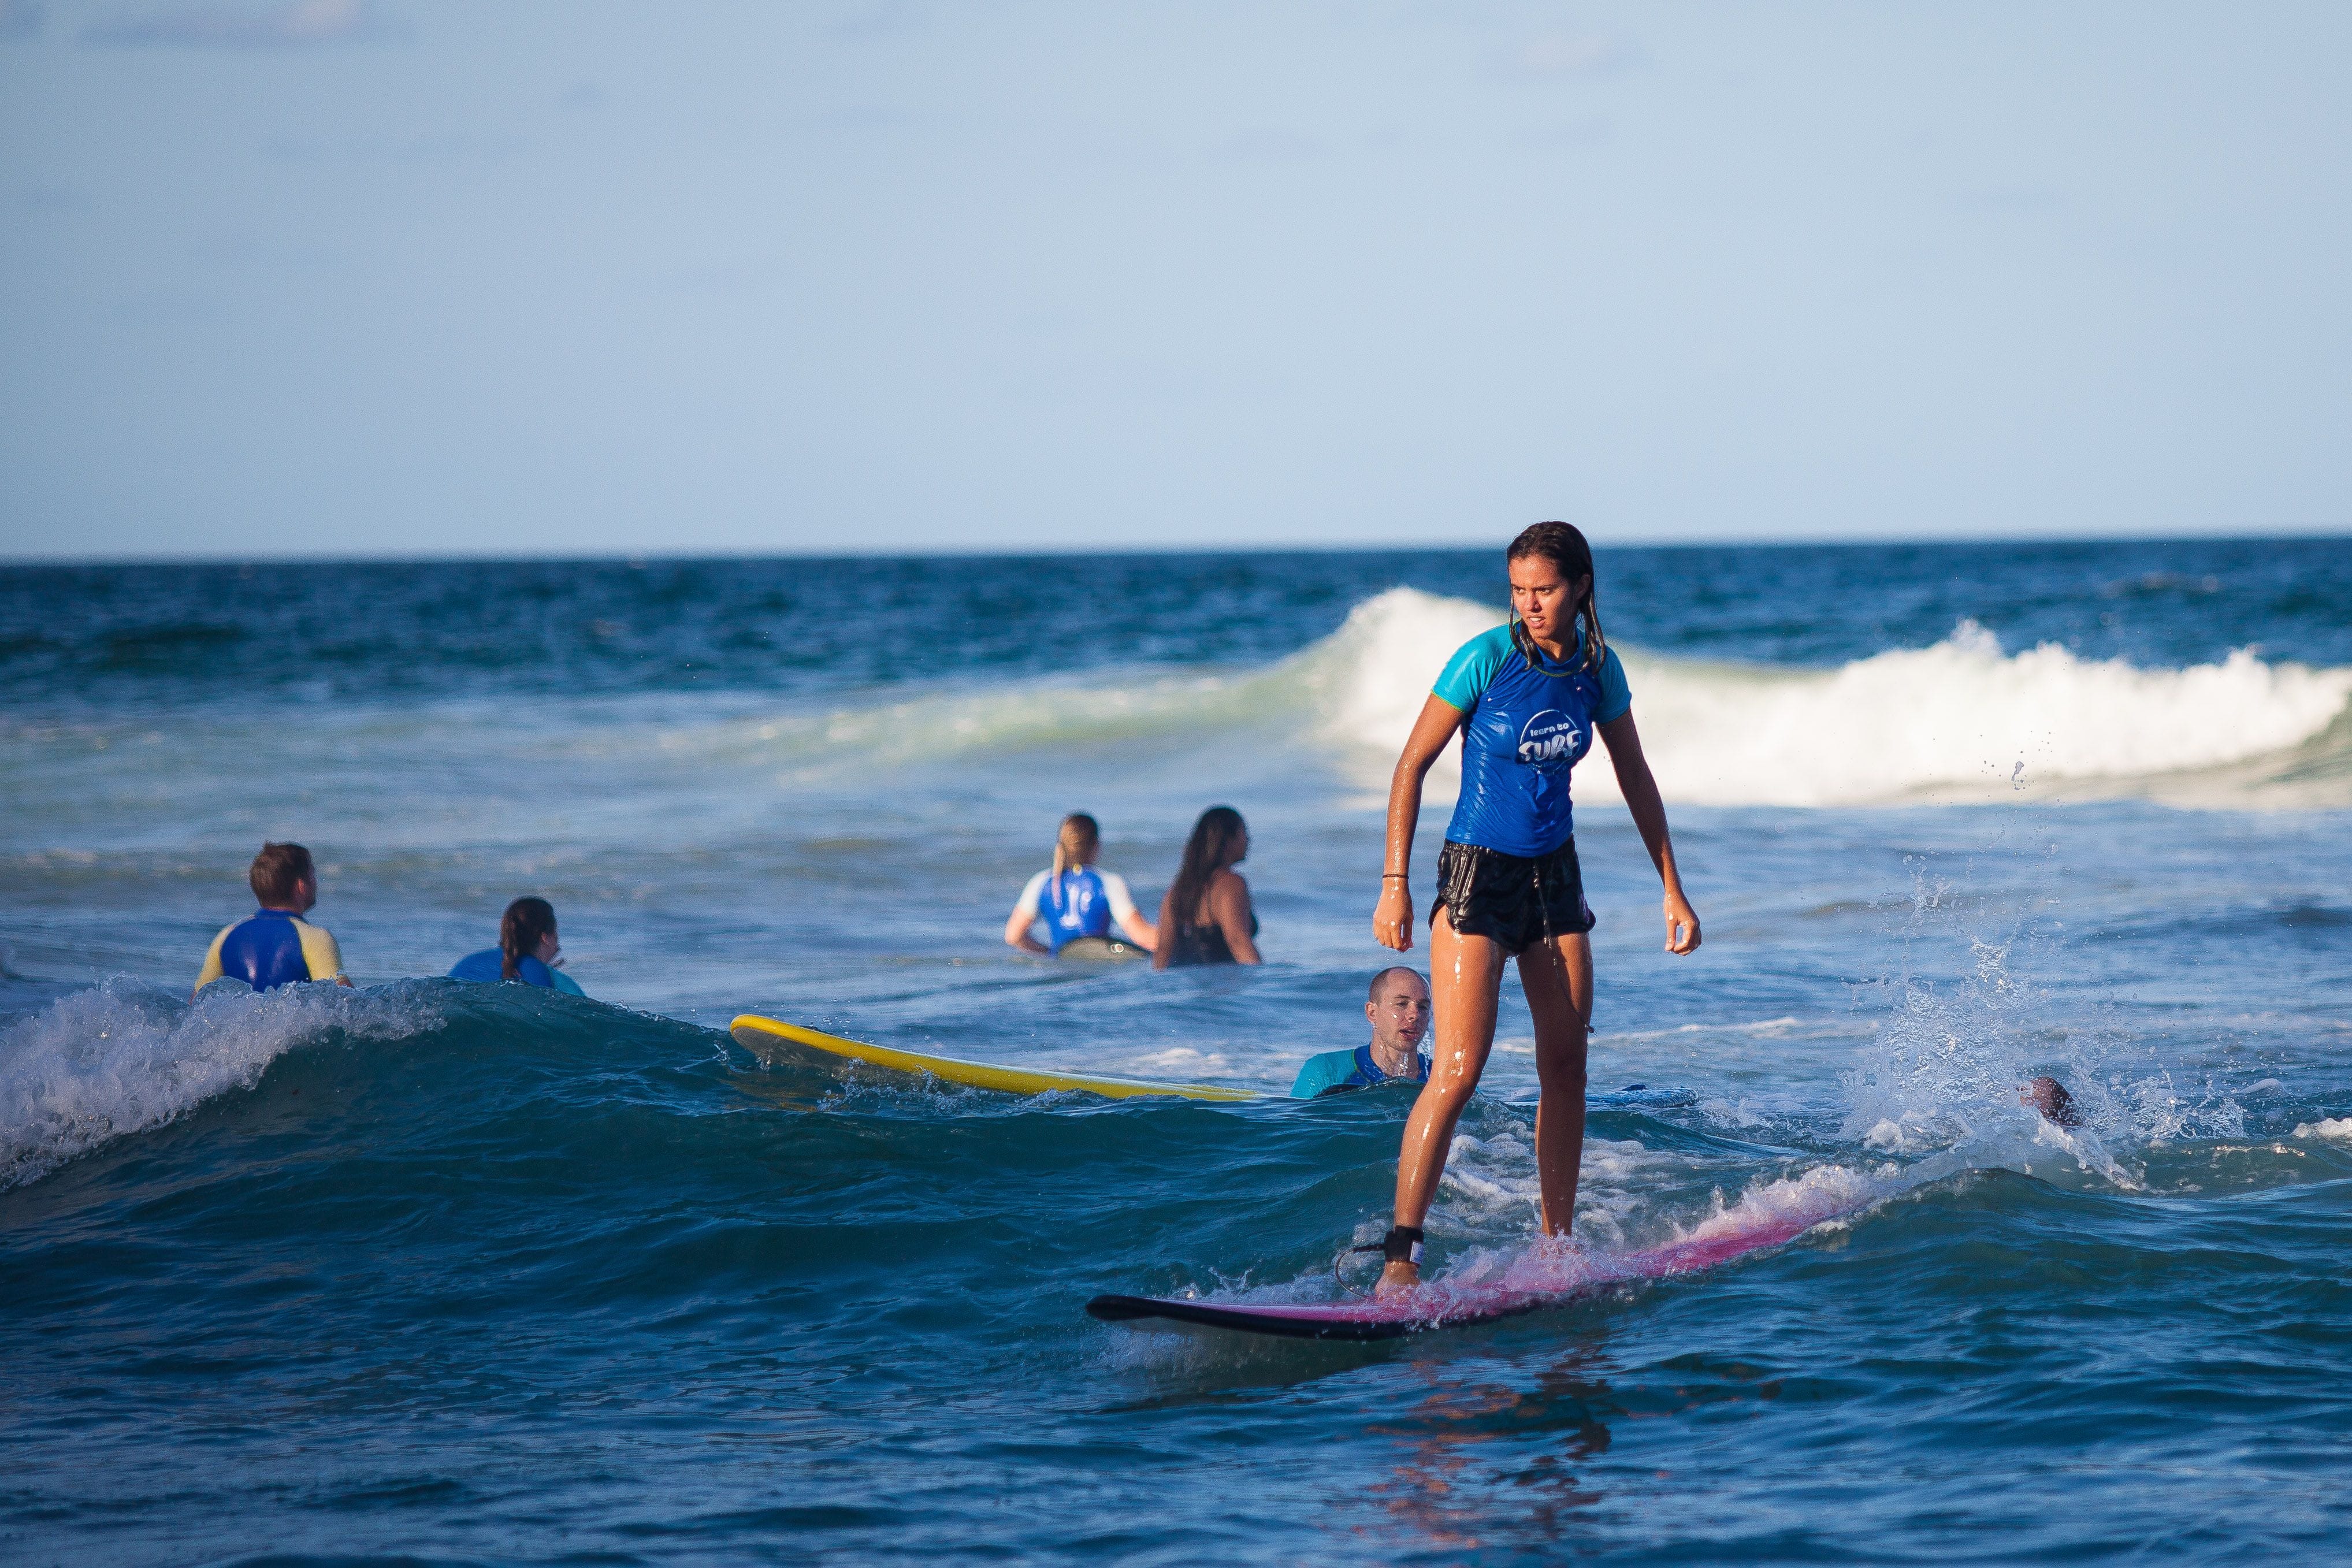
[478,1274]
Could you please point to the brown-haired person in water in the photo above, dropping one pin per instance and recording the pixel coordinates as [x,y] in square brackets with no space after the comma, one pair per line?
[274,945]
[1206,917]
[1528,699]
[528,953]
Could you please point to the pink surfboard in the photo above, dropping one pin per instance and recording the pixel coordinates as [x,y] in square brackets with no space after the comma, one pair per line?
[1525,1287]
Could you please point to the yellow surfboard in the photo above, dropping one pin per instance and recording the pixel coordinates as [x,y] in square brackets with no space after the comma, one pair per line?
[771,1039]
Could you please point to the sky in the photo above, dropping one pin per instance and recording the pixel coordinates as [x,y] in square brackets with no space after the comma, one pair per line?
[399,277]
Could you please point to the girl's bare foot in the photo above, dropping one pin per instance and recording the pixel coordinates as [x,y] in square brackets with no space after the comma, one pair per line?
[1398,1277]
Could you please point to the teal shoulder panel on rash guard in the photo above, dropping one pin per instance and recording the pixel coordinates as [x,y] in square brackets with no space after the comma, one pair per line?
[1616,696]
[1321,1073]
[1473,665]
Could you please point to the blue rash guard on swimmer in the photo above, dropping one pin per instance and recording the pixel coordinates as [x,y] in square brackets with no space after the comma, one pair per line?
[1526,722]
[1335,1070]
[487,968]
[1074,905]
[1082,901]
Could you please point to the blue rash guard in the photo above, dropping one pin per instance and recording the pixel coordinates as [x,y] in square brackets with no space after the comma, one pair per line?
[1082,901]
[1526,722]
[1335,1070]
[486,967]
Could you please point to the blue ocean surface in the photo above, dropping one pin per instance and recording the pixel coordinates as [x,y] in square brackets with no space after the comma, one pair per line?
[466,1274]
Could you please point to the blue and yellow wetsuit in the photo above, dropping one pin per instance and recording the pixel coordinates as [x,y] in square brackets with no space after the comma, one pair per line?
[270,948]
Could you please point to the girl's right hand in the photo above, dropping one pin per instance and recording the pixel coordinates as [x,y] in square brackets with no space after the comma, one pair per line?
[1393,921]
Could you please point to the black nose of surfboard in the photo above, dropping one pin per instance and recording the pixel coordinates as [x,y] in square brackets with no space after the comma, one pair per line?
[1123,1309]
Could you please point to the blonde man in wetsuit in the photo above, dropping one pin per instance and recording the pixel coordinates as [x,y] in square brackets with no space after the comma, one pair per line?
[275,945]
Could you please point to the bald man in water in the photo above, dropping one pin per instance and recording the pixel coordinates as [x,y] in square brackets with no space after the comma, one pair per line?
[1397,1008]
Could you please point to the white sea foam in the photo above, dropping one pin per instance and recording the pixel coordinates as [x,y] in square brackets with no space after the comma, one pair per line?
[1809,1197]
[2333,1129]
[1959,721]
[1598,1254]
[122,1058]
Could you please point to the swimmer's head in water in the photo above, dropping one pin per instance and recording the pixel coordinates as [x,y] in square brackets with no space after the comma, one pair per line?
[1552,588]
[1399,1009]
[527,924]
[278,874]
[1077,844]
[2049,1097]
[1221,838]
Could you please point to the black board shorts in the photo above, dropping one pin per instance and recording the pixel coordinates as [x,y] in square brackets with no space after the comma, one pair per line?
[1514,899]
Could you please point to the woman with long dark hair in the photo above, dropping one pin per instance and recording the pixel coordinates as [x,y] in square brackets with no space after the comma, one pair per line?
[1206,917]
[1528,699]
[528,952]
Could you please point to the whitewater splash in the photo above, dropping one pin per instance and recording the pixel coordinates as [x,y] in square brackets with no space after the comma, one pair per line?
[1961,720]
[121,1058]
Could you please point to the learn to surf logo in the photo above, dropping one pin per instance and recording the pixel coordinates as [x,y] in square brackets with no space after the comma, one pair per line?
[1551,736]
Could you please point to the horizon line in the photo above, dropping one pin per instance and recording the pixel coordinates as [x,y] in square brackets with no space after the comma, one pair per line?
[1698,542]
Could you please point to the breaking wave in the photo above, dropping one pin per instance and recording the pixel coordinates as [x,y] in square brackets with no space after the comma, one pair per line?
[1959,720]
[122,1057]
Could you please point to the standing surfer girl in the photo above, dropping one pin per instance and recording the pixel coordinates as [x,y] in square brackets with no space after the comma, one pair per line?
[1527,697]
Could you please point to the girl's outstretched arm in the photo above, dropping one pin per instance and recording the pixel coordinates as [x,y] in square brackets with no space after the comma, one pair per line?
[1140,932]
[1392,916]
[1016,932]
[1163,951]
[1641,793]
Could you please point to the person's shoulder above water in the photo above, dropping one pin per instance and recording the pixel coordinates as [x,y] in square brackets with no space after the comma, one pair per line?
[1322,1073]
[1473,667]
[527,933]
[487,967]
[1032,894]
[270,948]
[1332,1072]
[482,968]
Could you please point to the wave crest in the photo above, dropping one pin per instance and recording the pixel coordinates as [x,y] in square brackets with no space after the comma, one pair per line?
[1959,721]
[122,1057]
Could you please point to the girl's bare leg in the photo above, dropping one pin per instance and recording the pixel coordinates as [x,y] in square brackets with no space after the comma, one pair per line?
[1557,977]
[1465,975]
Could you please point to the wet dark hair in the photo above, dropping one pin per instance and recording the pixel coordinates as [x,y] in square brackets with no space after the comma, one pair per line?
[519,929]
[277,870]
[1563,545]
[1215,837]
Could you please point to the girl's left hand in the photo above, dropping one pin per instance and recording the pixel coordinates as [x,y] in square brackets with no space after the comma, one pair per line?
[1681,923]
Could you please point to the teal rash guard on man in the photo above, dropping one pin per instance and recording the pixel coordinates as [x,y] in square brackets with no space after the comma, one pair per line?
[1334,1071]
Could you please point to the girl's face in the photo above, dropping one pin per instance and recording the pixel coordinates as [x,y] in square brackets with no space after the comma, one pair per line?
[548,947]
[1546,600]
